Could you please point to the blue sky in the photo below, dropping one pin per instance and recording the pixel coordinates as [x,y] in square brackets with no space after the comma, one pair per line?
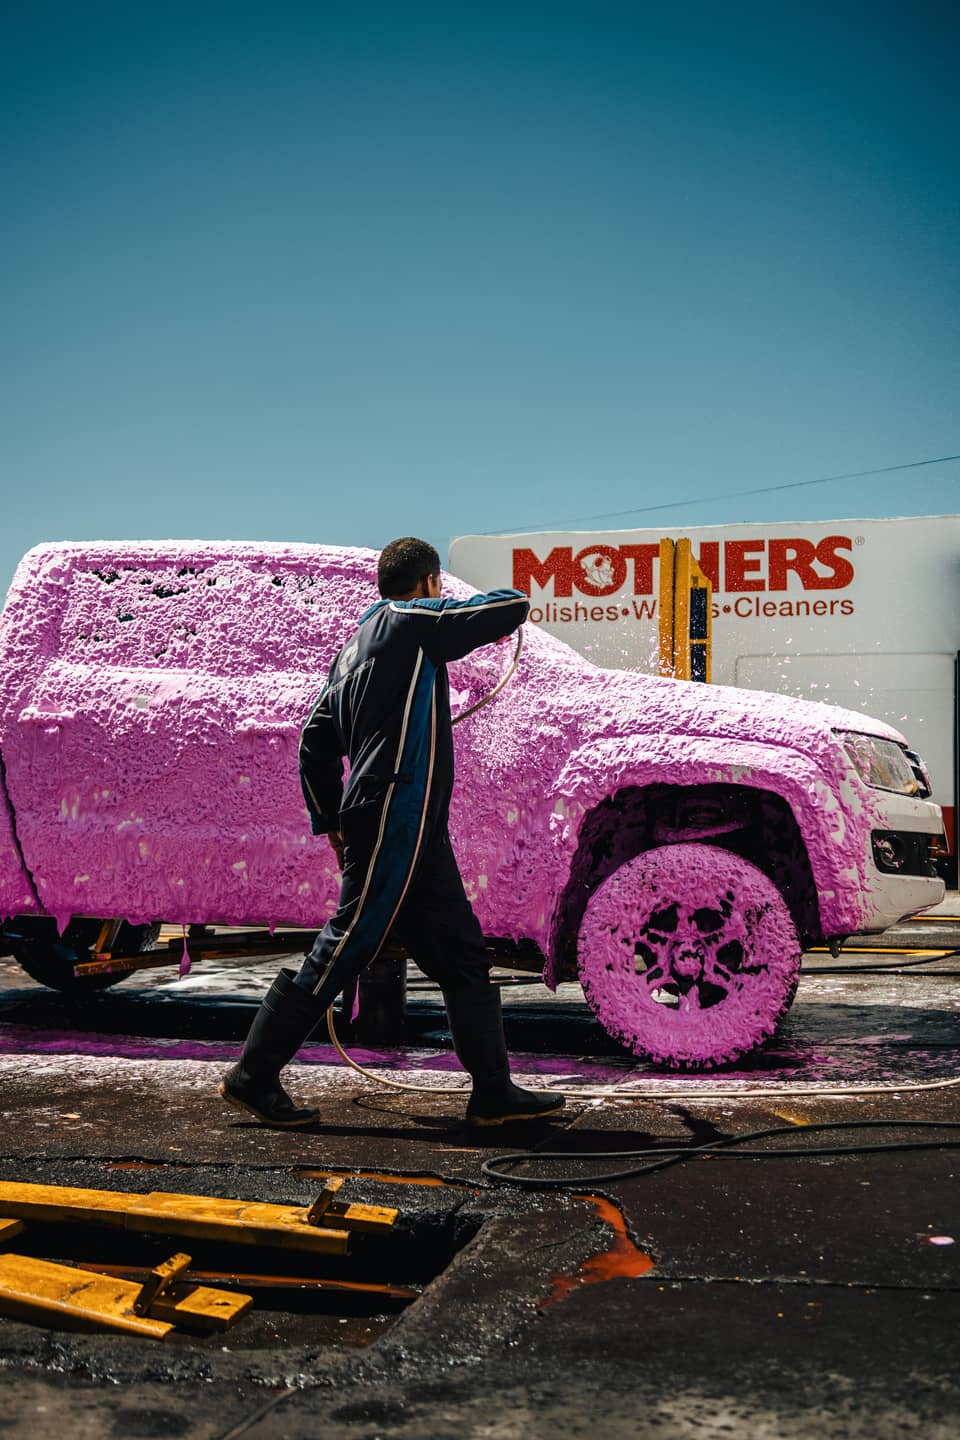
[336,272]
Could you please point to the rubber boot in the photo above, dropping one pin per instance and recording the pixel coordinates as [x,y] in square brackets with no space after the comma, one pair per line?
[476,1023]
[279,1028]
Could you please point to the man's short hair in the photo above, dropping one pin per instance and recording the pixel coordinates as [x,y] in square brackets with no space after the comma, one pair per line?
[403,564]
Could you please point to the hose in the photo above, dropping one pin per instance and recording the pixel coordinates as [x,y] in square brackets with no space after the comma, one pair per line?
[507,677]
[618,1091]
[673,1155]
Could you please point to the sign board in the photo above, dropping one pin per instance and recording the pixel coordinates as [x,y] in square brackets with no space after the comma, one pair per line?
[859,613]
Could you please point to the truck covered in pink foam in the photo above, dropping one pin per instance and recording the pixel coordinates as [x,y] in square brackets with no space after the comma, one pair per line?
[673,844]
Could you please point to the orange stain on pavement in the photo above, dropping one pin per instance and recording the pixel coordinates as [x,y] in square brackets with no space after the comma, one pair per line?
[622,1260]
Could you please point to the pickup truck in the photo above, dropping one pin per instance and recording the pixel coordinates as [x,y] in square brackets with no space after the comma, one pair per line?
[673,845]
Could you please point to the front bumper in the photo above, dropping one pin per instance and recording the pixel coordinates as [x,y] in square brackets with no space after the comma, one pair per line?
[901,832]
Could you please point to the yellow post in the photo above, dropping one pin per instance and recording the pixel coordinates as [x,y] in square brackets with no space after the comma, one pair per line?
[665,608]
[685,614]
[692,623]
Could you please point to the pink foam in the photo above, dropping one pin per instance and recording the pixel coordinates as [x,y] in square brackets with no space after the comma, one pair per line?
[688,955]
[151,697]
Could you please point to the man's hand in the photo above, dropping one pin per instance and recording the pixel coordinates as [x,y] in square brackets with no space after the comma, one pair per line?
[336,842]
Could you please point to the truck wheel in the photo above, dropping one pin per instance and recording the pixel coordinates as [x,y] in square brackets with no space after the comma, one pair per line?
[50,957]
[688,955]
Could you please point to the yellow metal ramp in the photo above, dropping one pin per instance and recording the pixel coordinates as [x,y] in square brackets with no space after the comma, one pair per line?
[84,1297]
[200,1217]
[32,1289]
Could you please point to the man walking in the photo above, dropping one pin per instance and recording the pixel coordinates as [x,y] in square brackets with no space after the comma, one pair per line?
[386,707]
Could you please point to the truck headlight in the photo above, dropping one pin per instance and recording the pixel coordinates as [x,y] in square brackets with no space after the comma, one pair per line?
[881,764]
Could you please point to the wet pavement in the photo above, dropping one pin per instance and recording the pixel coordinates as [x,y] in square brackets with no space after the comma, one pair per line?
[783,1297]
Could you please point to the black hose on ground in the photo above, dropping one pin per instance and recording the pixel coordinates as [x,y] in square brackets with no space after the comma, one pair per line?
[673,1155]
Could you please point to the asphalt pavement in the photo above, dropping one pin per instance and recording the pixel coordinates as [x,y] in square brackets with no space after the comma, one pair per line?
[754,1297]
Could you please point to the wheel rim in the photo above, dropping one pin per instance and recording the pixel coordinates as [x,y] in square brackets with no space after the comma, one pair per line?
[688,954]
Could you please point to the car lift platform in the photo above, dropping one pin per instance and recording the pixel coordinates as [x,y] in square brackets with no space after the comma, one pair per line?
[32,1289]
[202,1217]
[35,1289]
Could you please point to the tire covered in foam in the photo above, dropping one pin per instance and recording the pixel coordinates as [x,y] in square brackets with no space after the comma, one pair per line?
[688,955]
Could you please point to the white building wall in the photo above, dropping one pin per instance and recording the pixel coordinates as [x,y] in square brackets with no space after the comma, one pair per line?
[859,613]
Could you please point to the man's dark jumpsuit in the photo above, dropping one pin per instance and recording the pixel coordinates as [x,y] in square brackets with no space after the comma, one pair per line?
[386,707]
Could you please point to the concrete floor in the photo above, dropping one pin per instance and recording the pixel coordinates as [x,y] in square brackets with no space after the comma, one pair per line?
[786,1297]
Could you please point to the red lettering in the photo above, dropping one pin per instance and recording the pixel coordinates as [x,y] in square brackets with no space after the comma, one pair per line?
[558,567]
[795,555]
[800,556]
[709,562]
[643,557]
[841,570]
[601,570]
[741,562]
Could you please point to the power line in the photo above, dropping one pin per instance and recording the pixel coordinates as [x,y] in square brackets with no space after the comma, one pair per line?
[730,495]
